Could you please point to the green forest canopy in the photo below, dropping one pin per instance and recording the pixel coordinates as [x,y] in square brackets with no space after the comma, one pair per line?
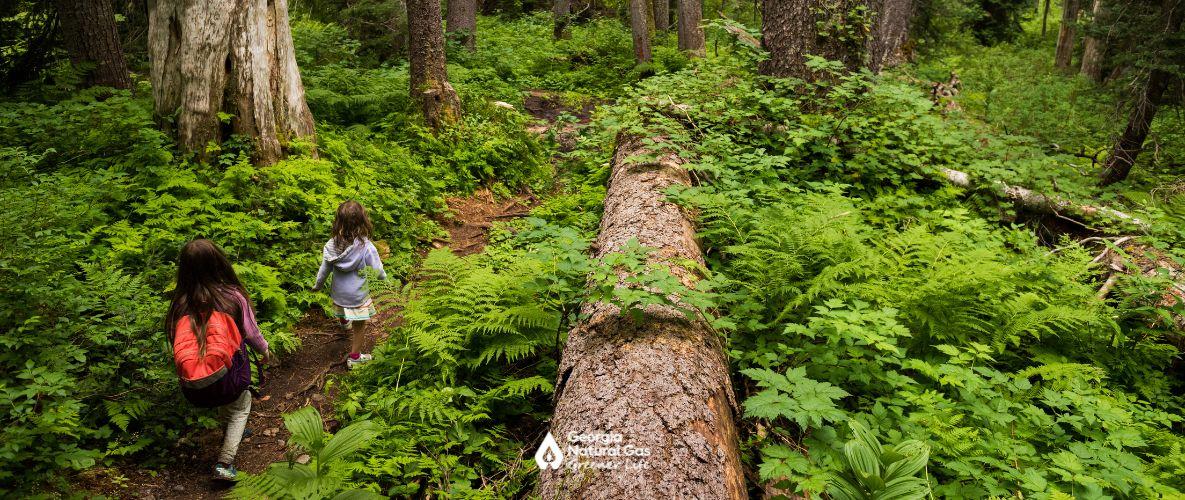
[869,307]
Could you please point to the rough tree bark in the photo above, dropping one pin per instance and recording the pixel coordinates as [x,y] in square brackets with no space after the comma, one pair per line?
[640,27]
[890,29]
[790,31]
[661,380]
[462,22]
[1092,51]
[662,15]
[397,25]
[88,28]
[561,11]
[1139,123]
[429,75]
[1065,35]
[1045,18]
[233,59]
[1147,101]
[691,34]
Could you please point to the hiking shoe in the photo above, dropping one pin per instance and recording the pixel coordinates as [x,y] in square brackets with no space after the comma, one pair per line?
[225,472]
[351,363]
[346,325]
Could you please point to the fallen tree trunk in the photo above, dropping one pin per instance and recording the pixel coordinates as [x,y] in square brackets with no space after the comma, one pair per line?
[1033,201]
[658,382]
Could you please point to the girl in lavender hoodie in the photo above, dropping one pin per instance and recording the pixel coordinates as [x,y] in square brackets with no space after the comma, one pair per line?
[346,254]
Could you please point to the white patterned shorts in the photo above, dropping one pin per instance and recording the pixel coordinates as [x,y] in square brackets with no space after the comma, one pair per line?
[359,313]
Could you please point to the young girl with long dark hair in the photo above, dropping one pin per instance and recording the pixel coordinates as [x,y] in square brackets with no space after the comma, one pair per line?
[208,322]
[346,254]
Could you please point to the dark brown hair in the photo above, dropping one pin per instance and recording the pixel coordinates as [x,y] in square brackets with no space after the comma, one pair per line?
[205,283]
[350,223]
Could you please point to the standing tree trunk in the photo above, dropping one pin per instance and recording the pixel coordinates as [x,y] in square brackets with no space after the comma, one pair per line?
[1065,36]
[662,15]
[88,27]
[429,76]
[1139,123]
[790,31]
[640,26]
[1128,147]
[561,11]
[890,29]
[691,34]
[658,379]
[397,25]
[1092,52]
[227,63]
[1045,18]
[462,22]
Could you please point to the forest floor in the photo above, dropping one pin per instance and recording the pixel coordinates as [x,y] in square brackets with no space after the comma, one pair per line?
[299,379]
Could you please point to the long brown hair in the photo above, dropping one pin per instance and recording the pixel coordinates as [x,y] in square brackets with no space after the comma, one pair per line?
[350,223]
[205,283]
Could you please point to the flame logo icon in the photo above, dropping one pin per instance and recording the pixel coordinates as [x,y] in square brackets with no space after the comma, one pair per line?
[549,454]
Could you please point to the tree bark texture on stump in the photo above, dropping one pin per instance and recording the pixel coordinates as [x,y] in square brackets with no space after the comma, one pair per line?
[1147,102]
[429,75]
[1065,36]
[790,31]
[662,15]
[890,29]
[233,59]
[640,27]
[561,12]
[462,22]
[661,380]
[91,37]
[691,34]
[1093,47]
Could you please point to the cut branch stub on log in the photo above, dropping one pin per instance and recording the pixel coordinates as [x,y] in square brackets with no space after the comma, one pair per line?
[659,381]
[1044,204]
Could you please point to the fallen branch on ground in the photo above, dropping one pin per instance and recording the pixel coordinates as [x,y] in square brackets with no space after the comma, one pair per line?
[1041,203]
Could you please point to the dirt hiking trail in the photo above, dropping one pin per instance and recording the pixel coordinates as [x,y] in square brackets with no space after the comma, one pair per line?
[299,378]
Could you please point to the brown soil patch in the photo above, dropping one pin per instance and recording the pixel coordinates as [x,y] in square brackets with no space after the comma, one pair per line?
[472,217]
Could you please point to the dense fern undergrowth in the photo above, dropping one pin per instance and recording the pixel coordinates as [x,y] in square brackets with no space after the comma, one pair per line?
[850,282]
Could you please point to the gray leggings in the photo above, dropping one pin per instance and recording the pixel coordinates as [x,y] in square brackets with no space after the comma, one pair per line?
[235,414]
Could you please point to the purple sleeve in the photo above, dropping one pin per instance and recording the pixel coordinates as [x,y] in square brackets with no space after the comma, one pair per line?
[376,262]
[250,327]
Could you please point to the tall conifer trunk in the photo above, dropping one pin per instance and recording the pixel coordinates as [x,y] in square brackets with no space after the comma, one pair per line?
[561,11]
[1065,35]
[640,27]
[429,75]
[227,67]
[662,15]
[462,22]
[890,29]
[790,31]
[691,34]
[88,28]
[1092,51]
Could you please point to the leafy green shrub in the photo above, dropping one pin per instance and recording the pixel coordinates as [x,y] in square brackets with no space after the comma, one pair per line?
[877,471]
[322,476]
[476,353]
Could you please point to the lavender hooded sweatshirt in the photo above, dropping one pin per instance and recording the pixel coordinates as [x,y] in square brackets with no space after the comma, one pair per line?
[349,287]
